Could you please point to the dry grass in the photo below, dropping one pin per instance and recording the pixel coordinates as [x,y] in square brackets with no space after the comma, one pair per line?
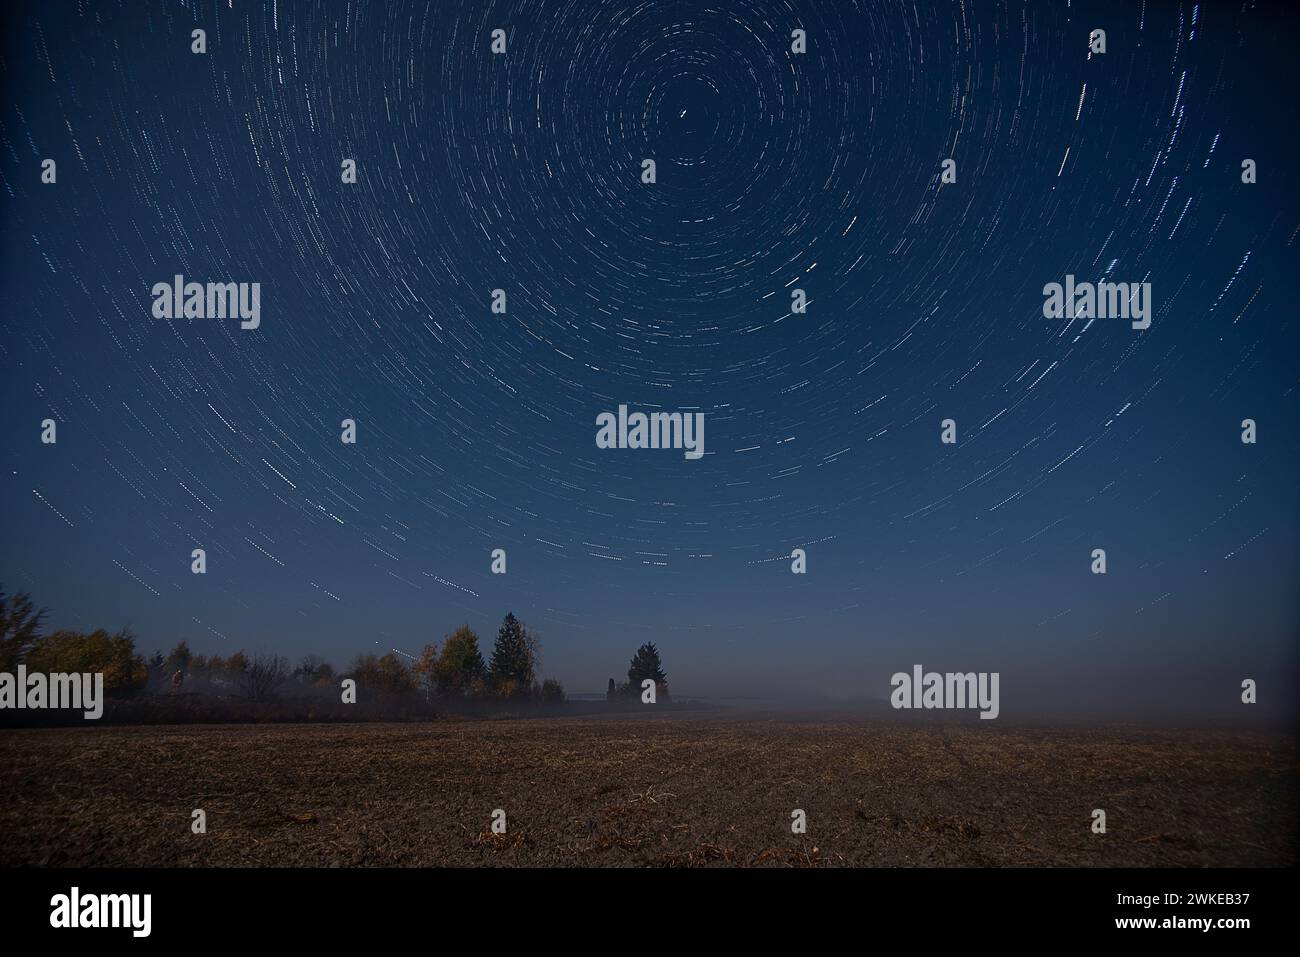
[665,791]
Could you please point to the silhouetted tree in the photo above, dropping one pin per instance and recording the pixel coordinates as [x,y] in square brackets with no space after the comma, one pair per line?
[180,658]
[264,676]
[512,658]
[19,624]
[646,664]
[157,671]
[312,669]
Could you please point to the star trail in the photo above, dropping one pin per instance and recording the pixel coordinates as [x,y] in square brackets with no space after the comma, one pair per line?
[776,172]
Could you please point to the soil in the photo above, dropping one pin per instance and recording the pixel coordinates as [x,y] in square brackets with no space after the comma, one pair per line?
[629,790]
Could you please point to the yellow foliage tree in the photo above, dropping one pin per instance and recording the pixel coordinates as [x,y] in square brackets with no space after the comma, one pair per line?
[70,652]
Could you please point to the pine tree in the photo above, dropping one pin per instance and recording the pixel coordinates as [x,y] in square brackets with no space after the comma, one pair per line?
[646,664]
[512,657]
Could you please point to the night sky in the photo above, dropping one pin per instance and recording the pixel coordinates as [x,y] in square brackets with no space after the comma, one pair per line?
[775,170]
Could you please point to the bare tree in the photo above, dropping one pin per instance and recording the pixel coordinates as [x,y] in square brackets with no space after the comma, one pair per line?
[264,675]
[312,669]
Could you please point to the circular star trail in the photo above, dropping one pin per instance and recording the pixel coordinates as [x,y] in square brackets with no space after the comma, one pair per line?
[775,171]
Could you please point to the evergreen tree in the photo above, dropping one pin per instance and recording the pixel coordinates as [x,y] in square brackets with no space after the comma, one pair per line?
[646,664]
[512,656]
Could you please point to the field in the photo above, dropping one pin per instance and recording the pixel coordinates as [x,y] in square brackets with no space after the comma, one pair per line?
[625,790]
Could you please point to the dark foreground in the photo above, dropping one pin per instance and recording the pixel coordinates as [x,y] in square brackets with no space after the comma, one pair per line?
[633,791]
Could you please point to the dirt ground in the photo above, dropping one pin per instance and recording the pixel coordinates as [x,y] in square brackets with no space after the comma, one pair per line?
[636,791]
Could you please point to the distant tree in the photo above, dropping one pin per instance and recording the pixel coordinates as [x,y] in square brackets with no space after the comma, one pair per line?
[157,672]
[552,691]
[425,666]
[19,624]
[387,674]
[313,669]
[533,641]
[365,671]
[264,675]
[512,688]
[512,658]
[646,664]
[180,657]
[112,654]
[236,664]
[612,691]
[459,665]
[396,676]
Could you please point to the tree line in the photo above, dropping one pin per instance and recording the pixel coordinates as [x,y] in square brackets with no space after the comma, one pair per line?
[452,668]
